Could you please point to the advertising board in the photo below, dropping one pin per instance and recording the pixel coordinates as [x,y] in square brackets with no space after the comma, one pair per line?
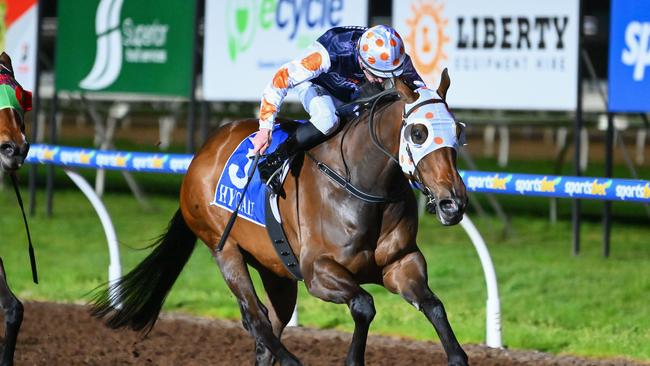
[125,46]
[18,22]
[501,54]
[629,56]
[246,41]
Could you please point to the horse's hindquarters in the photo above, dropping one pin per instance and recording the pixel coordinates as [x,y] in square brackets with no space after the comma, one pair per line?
[208,220]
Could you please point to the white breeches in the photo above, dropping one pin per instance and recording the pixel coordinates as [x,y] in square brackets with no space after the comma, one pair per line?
[320,105]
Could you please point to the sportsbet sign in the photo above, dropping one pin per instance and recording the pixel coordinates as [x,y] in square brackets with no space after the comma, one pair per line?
[629,56]
[246,41]
[508,54]
[132,46]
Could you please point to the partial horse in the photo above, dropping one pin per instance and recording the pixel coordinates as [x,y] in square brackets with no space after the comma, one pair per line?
[14,102]
[340,240]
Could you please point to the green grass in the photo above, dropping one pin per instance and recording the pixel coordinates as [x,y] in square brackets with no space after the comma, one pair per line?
[550,300]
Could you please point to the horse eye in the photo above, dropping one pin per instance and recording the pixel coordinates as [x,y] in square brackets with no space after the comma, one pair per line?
[419,134]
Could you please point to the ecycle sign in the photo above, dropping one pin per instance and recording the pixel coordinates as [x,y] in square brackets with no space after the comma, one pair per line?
[132,46]
[246,41]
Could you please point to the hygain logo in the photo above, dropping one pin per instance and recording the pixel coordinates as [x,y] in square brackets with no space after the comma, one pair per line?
[108,60]
[245,17]
[637,54]
[427,39]
[133,43]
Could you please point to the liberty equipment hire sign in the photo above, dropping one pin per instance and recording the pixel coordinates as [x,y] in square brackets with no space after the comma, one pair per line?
[501,54]
[125,46]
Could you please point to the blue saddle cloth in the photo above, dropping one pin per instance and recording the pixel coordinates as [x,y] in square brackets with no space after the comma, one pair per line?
[235,174]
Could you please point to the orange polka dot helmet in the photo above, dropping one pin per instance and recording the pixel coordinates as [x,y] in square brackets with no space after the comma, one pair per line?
[381,50]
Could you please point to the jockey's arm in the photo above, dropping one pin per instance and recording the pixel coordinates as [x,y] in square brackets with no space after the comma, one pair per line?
[315,62]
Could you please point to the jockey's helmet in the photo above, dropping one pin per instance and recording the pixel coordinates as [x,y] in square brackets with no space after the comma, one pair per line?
[381,50]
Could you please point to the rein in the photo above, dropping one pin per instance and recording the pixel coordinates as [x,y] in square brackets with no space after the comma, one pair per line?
[32,256]
[345,182]
[418,176]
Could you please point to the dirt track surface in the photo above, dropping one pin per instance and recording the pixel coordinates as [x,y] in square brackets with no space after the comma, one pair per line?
[63,334]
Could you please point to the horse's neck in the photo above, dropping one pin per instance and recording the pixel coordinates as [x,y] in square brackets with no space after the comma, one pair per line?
[370,168]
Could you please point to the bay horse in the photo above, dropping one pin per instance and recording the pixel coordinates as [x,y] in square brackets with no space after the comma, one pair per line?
[14,101]
[340,240]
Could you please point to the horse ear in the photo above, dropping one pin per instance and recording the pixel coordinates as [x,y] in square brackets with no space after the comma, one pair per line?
[444,84]
[404,91]
[6,60]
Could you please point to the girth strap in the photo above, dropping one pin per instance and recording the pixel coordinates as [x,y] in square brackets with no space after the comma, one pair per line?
[279,238]
[337,178]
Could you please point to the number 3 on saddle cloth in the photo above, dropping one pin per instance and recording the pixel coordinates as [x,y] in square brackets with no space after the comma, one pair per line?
[257,200]
[235,174]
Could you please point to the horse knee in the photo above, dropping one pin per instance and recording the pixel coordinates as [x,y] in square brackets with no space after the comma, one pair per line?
[433,306]
[362,308]
[14,312]
[255,319]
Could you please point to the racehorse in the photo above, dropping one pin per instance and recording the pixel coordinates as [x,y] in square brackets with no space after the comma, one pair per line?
[340,240]
[14,101]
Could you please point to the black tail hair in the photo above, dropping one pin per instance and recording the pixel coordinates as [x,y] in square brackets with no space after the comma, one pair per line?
[141,293]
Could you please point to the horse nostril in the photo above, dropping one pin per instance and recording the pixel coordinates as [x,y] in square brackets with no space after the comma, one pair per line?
[448,206]
[8,149]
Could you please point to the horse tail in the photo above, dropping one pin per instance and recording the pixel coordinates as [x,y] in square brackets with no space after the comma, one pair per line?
[141,293]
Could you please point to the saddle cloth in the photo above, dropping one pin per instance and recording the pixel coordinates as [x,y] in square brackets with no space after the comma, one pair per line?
[235,174]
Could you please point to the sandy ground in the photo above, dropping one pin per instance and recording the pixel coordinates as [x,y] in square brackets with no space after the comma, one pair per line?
[64,334]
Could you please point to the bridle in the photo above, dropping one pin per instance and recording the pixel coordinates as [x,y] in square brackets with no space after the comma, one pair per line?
[416,176]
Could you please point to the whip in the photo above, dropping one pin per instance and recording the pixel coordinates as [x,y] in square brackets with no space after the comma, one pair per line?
[231,222]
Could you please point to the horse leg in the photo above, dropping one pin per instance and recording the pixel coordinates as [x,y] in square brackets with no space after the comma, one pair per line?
[331,282]
[282,294]
[13,310]
[408,278]
[254,314]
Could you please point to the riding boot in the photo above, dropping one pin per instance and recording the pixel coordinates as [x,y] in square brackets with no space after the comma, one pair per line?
[304,138]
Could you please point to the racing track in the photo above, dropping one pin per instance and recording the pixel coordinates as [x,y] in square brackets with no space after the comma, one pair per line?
[64,334]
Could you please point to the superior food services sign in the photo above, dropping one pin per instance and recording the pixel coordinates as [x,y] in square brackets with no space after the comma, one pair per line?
[506,54]
[133,46]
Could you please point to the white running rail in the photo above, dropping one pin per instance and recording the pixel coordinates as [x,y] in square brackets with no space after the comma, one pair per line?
[114,267]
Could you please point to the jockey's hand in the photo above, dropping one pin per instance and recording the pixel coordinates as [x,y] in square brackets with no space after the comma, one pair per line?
[261,141]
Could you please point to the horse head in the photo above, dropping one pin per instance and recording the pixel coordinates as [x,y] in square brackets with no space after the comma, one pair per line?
[429,141]
[14,102]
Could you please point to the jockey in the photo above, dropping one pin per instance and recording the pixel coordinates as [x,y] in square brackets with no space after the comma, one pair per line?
[328,75]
